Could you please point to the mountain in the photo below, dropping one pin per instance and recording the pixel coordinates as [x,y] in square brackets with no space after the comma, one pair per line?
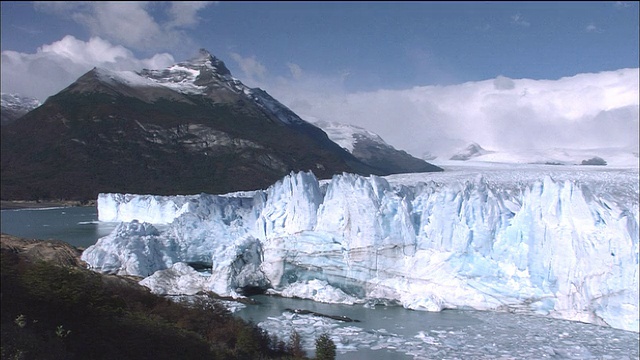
[13,106]
[371,149]
[557,241]
[471,151]
[186,129]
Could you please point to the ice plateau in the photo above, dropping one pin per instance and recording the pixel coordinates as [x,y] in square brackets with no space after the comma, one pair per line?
[556,242]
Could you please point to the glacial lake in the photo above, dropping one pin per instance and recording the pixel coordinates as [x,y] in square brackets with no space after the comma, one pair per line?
[380,332]
[78,226]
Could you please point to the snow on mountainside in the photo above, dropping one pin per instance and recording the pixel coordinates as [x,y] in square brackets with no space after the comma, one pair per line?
[13,106]
[556,241]
[371,149]
[347,136]
[202,75]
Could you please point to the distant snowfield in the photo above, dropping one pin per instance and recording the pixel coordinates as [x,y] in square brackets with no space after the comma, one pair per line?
[554,240]
[614,158]
[608,178]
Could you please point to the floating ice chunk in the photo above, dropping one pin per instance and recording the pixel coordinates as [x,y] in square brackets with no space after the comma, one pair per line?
[179,279]
[131,249]
[318,290]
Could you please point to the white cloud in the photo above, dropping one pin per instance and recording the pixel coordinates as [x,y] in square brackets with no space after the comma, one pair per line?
[130,22]
[592,28]
[185,13]
[517,19]
[55,66]
[296,70]
[27,29]
[503,83]
[583,111]
[622,4]
[252,69]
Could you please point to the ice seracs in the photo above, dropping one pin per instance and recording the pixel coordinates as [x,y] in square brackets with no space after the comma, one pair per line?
[561,243]
[159,209]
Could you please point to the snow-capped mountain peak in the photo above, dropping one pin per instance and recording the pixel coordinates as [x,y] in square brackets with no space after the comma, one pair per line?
[346,135]
[471,151]
[207,60]
[204,75]
[199,75]
[193,126]
[370,148]
[201,71]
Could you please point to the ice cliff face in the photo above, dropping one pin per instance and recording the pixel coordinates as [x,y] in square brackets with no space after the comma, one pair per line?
[562,245]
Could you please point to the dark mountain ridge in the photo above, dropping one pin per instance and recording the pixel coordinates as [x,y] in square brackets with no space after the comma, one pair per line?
[371,149]
[187,129]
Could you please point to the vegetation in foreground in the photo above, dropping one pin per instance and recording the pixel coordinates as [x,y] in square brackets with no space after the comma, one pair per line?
[50,311]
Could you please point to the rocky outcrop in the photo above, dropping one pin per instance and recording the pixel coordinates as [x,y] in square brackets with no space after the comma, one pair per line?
[54,251]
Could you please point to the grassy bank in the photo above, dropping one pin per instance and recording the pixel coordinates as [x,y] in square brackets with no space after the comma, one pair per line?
[56,309]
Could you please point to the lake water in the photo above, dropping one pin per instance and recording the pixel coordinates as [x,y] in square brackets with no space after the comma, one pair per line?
[381,332]
[78,226]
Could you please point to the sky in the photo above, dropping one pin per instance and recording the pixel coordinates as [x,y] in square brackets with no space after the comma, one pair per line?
[428,77]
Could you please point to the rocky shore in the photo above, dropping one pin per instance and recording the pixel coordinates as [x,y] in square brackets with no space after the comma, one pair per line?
[53,251]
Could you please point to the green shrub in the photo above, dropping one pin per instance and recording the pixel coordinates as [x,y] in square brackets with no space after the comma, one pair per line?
[52,312]
[325,348]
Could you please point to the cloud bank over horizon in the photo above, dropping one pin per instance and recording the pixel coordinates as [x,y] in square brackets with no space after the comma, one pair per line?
[592,110]
[584,111]
[55,66]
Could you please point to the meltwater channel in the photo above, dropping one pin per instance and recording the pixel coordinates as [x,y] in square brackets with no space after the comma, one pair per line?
[377,332]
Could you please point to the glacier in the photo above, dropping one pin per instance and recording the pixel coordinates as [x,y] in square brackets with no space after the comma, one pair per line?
[548,240]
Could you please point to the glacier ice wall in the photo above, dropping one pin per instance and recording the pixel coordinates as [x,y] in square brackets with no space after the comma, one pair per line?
[563,245]
[157,209]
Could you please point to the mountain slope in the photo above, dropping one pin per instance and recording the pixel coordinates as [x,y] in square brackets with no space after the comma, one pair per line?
[371,149]
[189,128]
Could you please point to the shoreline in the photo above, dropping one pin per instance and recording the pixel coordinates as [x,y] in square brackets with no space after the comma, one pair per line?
[31,204]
